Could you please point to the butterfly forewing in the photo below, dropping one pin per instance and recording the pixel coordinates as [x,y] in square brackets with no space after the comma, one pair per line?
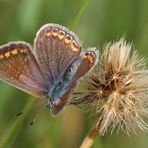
[55,49]
[19,68]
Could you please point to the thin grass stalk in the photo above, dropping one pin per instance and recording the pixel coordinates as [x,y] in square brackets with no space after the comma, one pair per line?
[79,15]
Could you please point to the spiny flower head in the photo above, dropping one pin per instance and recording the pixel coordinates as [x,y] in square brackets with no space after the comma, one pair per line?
[117,89]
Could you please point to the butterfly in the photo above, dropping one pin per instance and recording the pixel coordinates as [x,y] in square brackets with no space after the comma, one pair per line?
[51,68]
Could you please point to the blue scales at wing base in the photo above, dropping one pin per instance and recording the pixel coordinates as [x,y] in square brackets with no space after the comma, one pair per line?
[65,82]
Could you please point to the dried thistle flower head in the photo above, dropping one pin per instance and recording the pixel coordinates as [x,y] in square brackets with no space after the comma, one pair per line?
[117,89]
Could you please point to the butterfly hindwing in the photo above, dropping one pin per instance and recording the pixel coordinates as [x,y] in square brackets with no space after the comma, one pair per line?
[88,61]
[19,68]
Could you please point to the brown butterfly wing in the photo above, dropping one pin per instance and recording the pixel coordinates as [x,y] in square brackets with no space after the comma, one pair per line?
[55,49]
[19,68]
[88,61]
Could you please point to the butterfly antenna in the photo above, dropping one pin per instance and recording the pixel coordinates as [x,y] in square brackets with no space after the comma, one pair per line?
[37,114]
[36,108]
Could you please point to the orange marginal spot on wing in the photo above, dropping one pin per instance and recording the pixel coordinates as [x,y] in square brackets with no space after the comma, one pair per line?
[48,33]
[54,32]
[14,52]
[1,56]
[61,35]
[74,46]
[89,58]
[7,54]
[67,39]
[23,50]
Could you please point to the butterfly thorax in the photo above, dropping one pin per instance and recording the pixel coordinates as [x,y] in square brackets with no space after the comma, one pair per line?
[67,79]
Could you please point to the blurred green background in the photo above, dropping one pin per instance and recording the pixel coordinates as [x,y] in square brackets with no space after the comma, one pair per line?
[101,22]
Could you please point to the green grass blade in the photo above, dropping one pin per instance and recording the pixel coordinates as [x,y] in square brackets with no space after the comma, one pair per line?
[13,129]
[79,15]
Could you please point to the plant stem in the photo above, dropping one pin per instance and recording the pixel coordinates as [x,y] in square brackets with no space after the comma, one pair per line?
[79,15]
[89,139]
